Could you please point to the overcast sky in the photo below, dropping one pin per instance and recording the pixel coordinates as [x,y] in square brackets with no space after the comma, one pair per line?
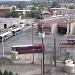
[14,0]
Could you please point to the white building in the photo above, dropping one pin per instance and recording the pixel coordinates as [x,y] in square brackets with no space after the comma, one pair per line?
[5,23]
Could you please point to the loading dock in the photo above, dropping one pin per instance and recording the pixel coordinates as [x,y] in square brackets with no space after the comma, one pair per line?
[46,29]
[62,30]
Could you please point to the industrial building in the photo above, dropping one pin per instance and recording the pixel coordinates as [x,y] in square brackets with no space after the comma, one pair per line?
[6,23]
[58,24]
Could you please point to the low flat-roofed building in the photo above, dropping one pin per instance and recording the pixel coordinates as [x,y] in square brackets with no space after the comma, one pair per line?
[5,23]
[4,10]
[22,12]
[63,11]
[58,24]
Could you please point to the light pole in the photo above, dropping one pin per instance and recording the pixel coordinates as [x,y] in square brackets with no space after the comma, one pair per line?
[42,36]
[54,51]
[68,26]
[2,47]
[33,43]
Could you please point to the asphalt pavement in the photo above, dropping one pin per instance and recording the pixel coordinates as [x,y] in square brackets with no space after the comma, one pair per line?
[25,38]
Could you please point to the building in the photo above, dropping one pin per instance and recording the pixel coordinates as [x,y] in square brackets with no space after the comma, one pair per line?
[58,24]
[4,10]
[5,23]
[22,12]
[63,11]
[67,50]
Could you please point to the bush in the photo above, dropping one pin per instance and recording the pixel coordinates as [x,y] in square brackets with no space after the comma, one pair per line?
[16,74]
[10,73]
[5,72]
[1,73]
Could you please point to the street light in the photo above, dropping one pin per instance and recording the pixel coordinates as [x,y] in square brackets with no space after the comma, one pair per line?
[2,47]
[68,26]
[54,51]
[42,34]
[33,43]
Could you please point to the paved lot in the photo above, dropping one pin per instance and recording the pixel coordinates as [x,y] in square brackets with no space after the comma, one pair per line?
[25,38]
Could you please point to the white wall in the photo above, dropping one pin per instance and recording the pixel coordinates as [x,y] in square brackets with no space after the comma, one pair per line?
[54,29]
[10,23]
[72,28]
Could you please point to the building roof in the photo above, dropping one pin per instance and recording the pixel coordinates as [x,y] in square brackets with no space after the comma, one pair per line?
[6,19]
[4,8]
[22,10]
[66,45]
[61,21]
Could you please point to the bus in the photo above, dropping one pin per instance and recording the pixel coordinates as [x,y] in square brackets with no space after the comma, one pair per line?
[5,36]
[22,49]
[17,31]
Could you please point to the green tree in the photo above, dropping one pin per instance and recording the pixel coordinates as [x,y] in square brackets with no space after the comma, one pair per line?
[33,14]
[55,5]
[21,5]
[0,72]
[16,74]
[10,73]
[71,7]
[5,72]
[14,14]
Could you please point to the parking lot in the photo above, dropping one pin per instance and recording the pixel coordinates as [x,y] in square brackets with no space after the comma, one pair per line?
[25,38]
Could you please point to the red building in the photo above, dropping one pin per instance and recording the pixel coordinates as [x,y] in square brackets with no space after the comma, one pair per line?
[4,10]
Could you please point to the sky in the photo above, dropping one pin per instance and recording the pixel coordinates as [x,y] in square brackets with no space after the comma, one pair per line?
[15,0]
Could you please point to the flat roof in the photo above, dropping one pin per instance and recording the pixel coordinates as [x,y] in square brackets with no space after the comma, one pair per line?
[16,29]
[6,19]
[70,36]
[66,45]
[22,10]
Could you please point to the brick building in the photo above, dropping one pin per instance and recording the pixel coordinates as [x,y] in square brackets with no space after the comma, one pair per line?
[4,10]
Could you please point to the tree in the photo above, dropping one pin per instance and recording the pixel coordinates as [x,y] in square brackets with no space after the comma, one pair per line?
[72,7]
[33,14]
[14,14]
[0,72]
[55,5]
[5,72]
[21,5]
[16,74]
[10,73]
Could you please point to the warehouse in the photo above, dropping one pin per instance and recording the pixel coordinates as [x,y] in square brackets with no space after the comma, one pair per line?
[5,23]
[58,25]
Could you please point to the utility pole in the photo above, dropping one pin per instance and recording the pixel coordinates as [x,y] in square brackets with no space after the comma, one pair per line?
[54,51]
[43,52]
[33,43]
[3,47]
[42,34]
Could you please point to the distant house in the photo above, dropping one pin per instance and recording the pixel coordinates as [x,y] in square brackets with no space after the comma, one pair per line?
[4,10]
[22,12]
[63,11]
